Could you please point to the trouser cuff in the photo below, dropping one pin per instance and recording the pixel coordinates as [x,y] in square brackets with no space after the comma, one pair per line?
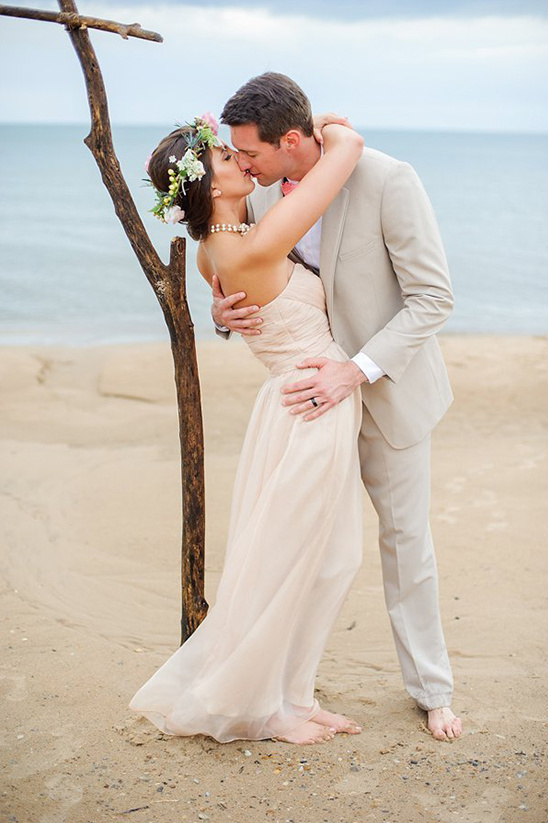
[434,701]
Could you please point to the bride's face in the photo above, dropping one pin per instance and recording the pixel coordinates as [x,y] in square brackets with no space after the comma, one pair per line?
[266,162]
[227,175]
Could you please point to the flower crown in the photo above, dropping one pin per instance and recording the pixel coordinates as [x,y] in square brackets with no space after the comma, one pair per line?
[187,169]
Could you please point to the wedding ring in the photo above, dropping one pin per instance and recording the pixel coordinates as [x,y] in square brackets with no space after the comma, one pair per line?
[314,402]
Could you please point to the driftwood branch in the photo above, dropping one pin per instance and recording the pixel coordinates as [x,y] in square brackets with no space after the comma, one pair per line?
[73,20]
[169,284]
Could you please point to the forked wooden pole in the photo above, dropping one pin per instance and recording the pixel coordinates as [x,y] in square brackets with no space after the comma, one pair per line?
[169,284]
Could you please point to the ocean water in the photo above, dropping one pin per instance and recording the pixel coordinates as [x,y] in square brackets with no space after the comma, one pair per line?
[68,275]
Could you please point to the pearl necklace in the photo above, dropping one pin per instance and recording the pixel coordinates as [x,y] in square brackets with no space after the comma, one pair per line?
[242,229]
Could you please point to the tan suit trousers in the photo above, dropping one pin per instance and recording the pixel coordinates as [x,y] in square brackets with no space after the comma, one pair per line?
[398,483]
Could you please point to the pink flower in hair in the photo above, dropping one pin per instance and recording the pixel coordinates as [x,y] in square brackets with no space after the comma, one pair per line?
[208,118]
[173,215]
[147,162]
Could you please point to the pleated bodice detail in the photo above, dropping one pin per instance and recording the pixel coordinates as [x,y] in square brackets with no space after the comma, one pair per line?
[295,324]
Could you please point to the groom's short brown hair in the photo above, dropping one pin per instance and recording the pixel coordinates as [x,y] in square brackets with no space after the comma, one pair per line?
[274,103]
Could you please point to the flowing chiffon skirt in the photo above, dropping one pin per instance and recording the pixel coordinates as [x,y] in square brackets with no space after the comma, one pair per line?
[293,549]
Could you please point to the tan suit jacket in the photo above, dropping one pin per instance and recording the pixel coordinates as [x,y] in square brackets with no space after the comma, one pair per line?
[388,290]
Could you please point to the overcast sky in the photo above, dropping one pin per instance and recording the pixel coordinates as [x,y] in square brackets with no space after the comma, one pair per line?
[475,64]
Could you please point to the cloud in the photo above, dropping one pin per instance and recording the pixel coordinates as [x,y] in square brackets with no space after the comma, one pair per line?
[343,9]
[379,9]
[441,72]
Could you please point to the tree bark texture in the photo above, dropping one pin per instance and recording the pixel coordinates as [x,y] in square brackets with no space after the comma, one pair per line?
[169,284]
[75,20]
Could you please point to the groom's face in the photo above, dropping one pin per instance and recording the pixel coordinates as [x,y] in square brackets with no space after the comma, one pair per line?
[265,162]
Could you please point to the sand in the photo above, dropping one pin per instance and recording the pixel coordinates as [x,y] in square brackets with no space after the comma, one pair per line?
[90,533]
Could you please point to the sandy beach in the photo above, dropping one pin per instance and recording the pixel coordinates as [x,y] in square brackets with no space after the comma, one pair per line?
[90,535]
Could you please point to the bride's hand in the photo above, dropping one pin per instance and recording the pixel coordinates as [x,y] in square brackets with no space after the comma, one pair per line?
[322,120]
[335,135]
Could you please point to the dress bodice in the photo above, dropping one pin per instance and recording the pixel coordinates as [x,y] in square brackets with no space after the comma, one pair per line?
[295,324]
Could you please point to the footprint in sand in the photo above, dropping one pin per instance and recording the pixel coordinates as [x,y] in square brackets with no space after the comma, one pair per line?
[487,497]
[447,515]
[13,686]
[531,462]
[137,731]
[64,791]
[456,485]
[496,526]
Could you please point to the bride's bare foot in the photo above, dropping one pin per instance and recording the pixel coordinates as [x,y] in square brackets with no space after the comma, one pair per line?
[443,724]
[338,722]
[307,734]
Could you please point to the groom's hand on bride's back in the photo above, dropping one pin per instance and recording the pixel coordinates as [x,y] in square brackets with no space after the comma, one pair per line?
[226,316]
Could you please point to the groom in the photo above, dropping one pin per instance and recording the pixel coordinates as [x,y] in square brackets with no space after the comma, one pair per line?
[379,254]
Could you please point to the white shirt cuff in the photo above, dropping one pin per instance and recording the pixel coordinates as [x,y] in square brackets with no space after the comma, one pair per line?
[223,329]
[368,367]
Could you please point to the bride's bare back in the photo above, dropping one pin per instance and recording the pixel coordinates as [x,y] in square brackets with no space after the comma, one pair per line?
[261,285]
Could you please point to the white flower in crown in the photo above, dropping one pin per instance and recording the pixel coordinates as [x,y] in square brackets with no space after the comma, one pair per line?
[194,168]
[173,215]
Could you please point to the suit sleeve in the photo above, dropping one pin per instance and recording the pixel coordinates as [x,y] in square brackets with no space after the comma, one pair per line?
[413,240]
[222,332]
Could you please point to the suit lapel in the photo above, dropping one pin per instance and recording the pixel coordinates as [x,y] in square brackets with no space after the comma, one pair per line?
[332,229]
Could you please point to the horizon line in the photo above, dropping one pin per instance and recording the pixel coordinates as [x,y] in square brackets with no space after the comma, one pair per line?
[436,129]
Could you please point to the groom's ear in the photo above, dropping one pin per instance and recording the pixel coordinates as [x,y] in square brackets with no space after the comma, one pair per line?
[291,140]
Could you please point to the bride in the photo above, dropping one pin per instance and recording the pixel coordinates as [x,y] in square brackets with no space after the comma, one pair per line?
[294,543]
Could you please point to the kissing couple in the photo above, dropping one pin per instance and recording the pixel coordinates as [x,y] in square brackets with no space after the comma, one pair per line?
[333,271]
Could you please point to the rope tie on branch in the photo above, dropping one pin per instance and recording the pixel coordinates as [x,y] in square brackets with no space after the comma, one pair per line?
[73,21]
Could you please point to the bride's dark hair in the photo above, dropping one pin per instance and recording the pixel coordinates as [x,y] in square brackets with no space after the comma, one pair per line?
[196,201]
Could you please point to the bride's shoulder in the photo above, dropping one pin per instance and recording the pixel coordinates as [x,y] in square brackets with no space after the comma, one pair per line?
[221,256]
[228,254]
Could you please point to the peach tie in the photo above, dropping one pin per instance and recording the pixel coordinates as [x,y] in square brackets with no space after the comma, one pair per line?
[288,186]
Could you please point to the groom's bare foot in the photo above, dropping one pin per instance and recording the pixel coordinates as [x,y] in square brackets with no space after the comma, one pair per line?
[338,722]
[443,724]
[307,734]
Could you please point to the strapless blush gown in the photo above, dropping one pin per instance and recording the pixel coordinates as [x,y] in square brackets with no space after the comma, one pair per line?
[294,547]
